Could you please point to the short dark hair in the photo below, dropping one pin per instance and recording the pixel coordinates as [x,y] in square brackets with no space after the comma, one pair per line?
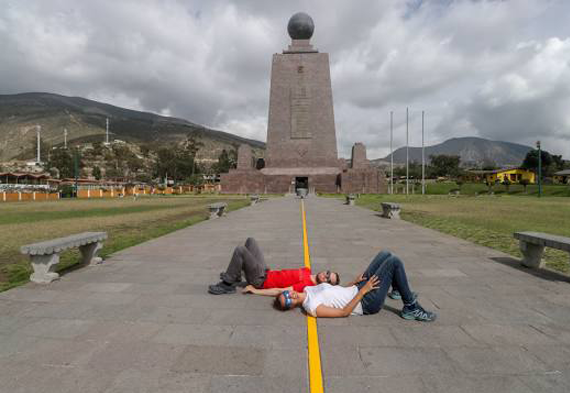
[277,304]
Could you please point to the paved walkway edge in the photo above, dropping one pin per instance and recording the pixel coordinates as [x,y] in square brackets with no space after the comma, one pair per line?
[314,352]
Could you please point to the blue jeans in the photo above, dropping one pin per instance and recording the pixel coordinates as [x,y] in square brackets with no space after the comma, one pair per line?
[390,271]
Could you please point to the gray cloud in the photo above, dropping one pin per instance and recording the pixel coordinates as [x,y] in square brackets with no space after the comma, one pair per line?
[495,69]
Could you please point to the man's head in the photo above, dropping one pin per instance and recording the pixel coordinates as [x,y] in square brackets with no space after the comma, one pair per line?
[329,277]
[288,300]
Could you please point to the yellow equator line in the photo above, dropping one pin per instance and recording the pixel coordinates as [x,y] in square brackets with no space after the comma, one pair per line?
[315,372]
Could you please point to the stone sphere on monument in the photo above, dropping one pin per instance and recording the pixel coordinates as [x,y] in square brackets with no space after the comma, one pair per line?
[301,26]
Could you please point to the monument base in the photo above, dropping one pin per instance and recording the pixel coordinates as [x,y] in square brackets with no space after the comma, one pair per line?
[242,182]
[280,180]
[363,181]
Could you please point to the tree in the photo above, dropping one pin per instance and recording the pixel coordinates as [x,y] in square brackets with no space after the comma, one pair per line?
[445,165]
[178,161]
[226,161]
[63,161]
[96,172]
[549,163]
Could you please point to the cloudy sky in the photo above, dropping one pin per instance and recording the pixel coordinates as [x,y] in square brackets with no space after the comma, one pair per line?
[494,69]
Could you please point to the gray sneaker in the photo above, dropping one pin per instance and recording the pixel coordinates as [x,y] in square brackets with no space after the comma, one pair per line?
[221,288]
[417,312]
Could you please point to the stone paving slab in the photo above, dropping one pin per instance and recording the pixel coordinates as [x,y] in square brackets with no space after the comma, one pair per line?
[143,322]
[501,328]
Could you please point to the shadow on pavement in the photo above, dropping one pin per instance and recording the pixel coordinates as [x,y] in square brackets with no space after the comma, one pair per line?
[546,274]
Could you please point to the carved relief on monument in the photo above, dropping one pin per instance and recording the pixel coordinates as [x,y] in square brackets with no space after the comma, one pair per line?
[300,107]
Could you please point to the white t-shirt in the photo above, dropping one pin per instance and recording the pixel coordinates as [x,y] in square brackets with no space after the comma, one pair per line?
[329,295]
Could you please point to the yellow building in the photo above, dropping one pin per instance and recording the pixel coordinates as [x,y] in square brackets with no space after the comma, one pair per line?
[514,175]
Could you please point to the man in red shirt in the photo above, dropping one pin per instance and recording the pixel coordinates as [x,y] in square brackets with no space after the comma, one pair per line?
[260,279]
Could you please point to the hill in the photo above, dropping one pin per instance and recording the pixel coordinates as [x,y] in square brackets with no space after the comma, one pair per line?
[473,152]
[85,122]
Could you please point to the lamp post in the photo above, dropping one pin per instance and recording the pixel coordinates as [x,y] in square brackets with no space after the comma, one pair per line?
[539,169]
[76,170]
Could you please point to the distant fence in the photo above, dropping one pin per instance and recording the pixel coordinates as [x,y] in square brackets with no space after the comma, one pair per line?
[114,192]
[15,196]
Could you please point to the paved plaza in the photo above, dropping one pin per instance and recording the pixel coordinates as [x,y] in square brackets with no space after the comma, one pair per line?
[143,322]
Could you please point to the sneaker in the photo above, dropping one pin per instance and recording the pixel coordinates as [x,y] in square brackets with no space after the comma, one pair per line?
[417,312]
[221,288]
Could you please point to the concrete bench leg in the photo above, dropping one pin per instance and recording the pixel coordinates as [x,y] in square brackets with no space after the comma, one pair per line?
[392,214]
[89,253]
[532,254]
[214,214]
[44,266]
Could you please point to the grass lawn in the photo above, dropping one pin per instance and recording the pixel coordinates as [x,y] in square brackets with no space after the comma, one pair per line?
[127,222]
[487,220]
[443,188]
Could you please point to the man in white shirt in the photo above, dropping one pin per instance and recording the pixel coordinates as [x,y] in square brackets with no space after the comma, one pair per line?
[366,295]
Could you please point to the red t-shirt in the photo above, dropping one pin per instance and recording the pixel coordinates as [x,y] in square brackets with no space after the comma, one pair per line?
[296,278]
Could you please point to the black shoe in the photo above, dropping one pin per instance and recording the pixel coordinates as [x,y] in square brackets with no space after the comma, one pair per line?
[240,283]
[221,288]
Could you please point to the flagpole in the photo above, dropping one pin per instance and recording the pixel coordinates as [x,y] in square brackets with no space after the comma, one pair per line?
[391,152]
[407,153]
[423,158]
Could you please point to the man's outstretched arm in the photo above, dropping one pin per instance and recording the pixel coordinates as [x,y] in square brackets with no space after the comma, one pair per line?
[264,292]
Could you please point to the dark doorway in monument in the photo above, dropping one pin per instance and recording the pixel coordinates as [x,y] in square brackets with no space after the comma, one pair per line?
[301,182]
[260,163]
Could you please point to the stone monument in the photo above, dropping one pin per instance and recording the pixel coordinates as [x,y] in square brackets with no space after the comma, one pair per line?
[301,138]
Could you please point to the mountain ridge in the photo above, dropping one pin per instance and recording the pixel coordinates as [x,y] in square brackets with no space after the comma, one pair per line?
[85,121]
[474,151]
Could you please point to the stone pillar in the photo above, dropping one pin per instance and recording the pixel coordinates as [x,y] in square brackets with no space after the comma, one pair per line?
[359,160]
[245,158]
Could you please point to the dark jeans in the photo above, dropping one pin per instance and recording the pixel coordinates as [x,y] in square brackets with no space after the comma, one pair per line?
[390,271]
[249,259]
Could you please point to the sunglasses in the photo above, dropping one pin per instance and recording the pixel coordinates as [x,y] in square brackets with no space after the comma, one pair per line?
[328,276]
[288,299]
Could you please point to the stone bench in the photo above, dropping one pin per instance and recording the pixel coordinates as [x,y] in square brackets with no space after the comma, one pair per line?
[350,198]
[217,209]
[532,245]
[254,199]
[45,255]
[391,210]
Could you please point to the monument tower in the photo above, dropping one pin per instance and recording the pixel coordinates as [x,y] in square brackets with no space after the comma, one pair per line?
[301,137]
[301,147]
